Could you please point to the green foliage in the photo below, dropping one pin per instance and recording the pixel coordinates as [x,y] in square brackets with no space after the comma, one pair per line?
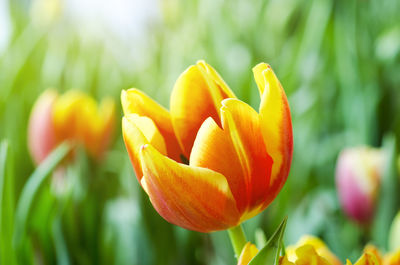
[388,200]
[6,206]
[271,252]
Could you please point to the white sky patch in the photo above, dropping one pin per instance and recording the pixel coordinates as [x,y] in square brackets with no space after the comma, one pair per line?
[125,19]
[5,25]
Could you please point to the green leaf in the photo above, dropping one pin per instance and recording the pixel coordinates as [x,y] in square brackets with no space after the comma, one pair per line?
[7,255]
[31,188]
[394,234]
[388,198]
[59,242]
[270,253]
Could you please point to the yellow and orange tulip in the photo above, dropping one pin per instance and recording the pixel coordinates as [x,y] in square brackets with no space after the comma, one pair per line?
[298,252]
[212,161]
[391,258]
[72,116]
[367,258]
[312,250]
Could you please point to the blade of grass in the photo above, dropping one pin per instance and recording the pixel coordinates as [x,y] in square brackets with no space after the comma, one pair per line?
[388,199]
[31,188]
[59,242]
[7,255]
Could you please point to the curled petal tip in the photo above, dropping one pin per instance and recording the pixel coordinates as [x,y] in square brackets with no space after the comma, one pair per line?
[135,101]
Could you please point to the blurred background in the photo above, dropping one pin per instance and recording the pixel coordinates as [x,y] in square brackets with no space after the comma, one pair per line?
[338,60]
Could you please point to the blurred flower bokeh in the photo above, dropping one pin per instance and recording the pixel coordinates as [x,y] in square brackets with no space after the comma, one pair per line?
[338,61]
[358,176]
[73,116]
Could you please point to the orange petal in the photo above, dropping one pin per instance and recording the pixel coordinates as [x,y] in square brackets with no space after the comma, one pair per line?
[248,253]
[211,149]
[375,251]
[192,197]
[135,101]
[367,258]
[67,113]
[197,95]
[96,124]
[276,124]
[138,131]
[248,167]
[41,134]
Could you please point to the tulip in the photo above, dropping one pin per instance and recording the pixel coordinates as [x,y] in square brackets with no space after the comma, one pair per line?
[304,255]
[367,258]
[311,250]
[391,258]
[212,161]
[294,253]
[371,249]
[73,116]
[248,253]
[358,174]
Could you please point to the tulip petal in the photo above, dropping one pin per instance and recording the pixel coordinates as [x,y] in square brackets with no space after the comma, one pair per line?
[197,95]
[248,253]
[392,258]
[67,114]
[320,247]
[306,255]
[41,134]
[138,131]
[285,261]
[135,101]
[367,259]
[243,124]
[96,124]
[192,197]
[210,150]
[248,167]
[276,124]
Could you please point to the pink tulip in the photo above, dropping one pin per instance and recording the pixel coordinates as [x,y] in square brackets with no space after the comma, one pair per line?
[358,174]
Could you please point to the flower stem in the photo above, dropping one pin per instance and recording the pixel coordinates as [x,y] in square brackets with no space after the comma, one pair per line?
[238,239]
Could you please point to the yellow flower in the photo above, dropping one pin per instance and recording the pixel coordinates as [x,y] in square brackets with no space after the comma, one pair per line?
[72,116]
[296,252]
[238,159]
[368,258]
